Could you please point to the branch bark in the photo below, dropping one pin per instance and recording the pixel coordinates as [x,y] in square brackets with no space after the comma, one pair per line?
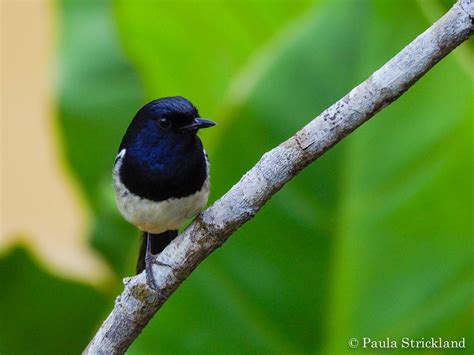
[137,304]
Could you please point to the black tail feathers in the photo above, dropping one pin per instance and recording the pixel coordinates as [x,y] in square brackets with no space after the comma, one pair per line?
[158,243]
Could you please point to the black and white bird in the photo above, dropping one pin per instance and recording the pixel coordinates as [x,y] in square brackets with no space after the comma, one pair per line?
[161,173]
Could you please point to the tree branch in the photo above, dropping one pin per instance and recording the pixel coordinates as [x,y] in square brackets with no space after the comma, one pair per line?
[137,304]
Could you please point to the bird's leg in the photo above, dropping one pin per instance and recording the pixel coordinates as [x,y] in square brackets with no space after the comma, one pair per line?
[150,259]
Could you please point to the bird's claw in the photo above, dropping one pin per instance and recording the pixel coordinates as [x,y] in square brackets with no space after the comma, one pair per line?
[150,279]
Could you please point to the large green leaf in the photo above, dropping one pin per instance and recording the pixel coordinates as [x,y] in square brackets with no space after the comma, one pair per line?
[42,314]
[372,240]
[196,48]
[402,260]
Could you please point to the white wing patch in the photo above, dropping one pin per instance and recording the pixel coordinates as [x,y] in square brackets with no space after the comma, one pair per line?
[120,156]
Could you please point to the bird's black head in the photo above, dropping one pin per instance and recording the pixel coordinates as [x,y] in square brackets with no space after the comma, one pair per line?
[170,118]
[174,113]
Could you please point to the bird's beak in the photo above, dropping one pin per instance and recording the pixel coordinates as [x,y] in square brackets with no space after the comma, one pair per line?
[199,123]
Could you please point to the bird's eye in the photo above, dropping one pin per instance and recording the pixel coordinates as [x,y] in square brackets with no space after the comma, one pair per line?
[164,123]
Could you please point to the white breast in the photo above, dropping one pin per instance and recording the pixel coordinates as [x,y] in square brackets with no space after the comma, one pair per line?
[157,217]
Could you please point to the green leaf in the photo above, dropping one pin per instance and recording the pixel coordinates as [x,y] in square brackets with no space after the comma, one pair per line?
[196,48]
[43,314]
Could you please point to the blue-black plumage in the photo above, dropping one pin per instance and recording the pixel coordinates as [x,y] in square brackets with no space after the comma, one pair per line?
[161,172]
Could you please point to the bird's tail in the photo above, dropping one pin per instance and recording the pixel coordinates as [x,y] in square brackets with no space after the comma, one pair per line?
[158,243]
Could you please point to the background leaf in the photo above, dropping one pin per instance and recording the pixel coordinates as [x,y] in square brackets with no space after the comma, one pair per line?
[34,320]
[194,48]
[99,94]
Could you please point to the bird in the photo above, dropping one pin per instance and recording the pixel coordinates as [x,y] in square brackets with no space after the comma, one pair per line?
[161,174]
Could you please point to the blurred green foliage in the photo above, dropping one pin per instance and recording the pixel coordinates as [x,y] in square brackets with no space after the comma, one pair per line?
[374,239]
[98,90]
[42,314]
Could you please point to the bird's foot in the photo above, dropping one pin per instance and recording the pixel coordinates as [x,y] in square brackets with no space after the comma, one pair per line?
[151,260]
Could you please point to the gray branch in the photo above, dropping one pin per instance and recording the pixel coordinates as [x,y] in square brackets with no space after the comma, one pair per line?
[137,304]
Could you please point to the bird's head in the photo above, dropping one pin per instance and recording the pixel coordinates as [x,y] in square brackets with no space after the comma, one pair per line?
[173,119]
